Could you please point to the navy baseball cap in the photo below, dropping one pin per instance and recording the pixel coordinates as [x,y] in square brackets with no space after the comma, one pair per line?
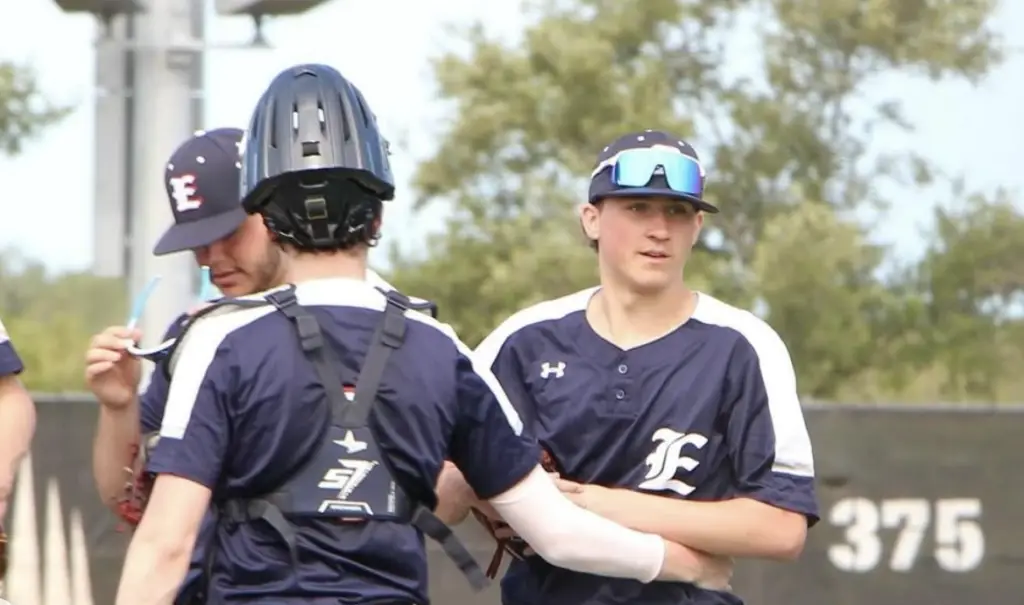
[665,166]
[202,179]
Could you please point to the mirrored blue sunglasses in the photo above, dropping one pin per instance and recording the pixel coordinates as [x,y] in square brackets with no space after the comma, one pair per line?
[636,168]
[160,351]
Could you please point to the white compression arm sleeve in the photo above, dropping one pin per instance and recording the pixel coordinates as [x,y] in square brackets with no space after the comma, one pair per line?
[568,536]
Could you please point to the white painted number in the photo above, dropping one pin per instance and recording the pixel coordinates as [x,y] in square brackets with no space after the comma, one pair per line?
[959,544]
[863,548]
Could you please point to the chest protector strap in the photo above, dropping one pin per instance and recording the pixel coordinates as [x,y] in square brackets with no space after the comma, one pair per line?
[381,497]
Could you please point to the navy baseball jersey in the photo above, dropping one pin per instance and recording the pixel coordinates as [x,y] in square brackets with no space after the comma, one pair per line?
[706,412]
[10,363]
[243,412]
[151,413]
[153,400]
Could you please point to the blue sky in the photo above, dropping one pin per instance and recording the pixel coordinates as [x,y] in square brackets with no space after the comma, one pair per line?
[971,130]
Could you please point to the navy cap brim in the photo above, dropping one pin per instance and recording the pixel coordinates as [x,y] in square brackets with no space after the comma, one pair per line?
[659,192]
[199,233]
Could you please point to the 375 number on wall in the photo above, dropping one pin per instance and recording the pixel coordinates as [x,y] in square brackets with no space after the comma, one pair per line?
[948,530]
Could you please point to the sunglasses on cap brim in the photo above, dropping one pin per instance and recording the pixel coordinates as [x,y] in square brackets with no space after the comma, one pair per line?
[636,168]
[162,350]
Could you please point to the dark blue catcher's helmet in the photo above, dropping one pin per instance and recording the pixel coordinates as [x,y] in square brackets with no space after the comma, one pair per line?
[314,162]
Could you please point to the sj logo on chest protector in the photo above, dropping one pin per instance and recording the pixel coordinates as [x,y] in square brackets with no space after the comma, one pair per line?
[668,458]
[347,477]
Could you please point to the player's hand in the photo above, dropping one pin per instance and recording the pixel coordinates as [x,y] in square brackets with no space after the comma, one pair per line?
[111,373]
[685,564]
[586,496]
[714,573]
[454,496]
[566,486]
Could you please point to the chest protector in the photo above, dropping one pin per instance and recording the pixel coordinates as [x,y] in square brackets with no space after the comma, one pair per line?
[348,477]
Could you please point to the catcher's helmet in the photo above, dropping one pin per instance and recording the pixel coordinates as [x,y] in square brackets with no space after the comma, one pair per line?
[314,162]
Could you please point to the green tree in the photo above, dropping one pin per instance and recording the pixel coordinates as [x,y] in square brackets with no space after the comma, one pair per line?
[24,112]
[51,318]
[794,130]
[972,279]
[45,316]
[828,289]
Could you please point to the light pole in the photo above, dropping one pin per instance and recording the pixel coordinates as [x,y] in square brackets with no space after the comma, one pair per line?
[150,98]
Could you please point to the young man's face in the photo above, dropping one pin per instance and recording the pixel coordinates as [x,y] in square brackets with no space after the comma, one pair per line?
[244,262]
[644,242]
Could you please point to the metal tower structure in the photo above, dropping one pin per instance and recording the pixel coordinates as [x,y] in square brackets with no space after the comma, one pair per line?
[150,97]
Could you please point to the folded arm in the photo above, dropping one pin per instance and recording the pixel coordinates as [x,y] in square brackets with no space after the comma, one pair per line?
[570,537]
[741,527]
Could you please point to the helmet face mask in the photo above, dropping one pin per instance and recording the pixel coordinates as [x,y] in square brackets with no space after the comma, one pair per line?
[314,162]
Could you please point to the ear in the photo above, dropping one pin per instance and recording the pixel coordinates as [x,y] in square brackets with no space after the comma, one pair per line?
[590,220]
[696,232]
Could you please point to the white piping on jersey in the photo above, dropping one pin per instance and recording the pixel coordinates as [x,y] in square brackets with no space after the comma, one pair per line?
[793,453]
[201,341]
[549,310]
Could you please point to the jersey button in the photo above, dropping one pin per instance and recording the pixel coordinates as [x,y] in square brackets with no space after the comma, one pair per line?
[620,394]
[623,369]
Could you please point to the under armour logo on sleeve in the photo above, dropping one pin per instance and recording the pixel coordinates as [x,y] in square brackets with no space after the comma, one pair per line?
[547,370]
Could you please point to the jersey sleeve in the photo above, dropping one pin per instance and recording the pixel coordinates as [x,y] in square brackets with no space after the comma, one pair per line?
[153,399]
[10,363]
[487,444]
[194,433]
[766,436]
[497,353]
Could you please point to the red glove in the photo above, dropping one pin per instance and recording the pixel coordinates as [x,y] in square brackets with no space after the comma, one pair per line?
[139,483]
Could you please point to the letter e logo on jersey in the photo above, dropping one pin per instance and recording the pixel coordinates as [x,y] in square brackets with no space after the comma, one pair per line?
[183,192]
[668,457]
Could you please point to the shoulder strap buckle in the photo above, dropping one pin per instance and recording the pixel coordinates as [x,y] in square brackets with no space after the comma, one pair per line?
[310,336]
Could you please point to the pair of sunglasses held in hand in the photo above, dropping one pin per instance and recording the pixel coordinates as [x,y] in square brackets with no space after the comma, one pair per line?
[206,293]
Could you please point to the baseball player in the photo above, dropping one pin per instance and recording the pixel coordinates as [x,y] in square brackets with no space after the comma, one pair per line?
[201,177]
[202,180]
[17,425]
[681,406]
[315,417]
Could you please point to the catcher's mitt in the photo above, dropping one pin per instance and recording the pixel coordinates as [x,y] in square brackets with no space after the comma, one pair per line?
[138,483]
[514,546]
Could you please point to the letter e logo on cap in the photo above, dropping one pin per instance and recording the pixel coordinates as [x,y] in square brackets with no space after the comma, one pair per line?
[183,191]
